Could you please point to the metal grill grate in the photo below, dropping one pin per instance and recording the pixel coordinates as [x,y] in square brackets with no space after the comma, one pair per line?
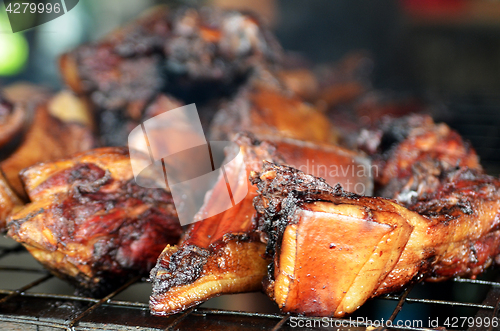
[24,309]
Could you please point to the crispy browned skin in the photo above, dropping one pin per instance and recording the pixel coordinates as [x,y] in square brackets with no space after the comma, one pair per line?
[12,123]
[333,250]
[90,223]
[46,139]
[410,154]
[268,110]
[194,55]
[224,254]
[220,254]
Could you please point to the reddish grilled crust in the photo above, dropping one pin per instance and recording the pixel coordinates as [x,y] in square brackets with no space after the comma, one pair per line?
[186,275]
[454,232]
[412,152]
[46,139]
[90,223]
[220,254]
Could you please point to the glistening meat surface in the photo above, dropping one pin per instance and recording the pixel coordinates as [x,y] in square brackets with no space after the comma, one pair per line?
[90,223]
[224,253]
[332,250]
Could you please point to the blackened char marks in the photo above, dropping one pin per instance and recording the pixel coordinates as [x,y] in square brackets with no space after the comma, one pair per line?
[90,223]
[184,267]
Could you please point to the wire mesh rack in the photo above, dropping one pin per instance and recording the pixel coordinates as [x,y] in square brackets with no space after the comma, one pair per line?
[460,304]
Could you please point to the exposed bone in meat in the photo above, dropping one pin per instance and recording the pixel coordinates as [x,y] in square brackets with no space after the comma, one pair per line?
[333,250]
[223,254]
[90,223]
[68,107]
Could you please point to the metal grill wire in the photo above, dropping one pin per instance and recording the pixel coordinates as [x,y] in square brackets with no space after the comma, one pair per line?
[487,308]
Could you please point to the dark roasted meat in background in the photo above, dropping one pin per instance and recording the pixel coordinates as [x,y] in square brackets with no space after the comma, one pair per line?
[194,55]
[267,109]
[32,132]
[412,154]
[90,223]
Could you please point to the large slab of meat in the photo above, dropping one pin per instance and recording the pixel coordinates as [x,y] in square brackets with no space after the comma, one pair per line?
[90,223]
[332,250]
[225,253]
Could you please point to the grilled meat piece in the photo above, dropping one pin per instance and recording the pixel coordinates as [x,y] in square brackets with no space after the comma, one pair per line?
[8,201]
[90,223]
[333,250]
[266,109]
[224,253]
[120,70]
[12,124]
[194,55]
[220,254]
[412,154]
[46,139]
[30,133]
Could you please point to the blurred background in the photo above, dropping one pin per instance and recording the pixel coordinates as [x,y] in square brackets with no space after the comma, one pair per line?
[445,52]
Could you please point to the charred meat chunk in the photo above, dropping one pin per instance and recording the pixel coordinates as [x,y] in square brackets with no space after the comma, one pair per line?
[220,254]
[90,223]
[224,253]
[332,250]
[267,109]
[191,54]
[412,154]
